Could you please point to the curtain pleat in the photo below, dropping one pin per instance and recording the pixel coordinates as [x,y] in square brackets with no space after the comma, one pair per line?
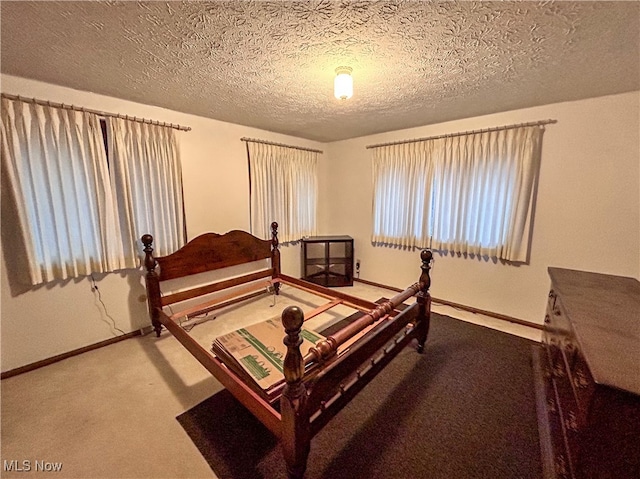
[147,181]
[470,194]
[400,177]
[284,188]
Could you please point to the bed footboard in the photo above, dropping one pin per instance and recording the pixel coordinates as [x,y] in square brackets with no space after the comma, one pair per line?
[306,406]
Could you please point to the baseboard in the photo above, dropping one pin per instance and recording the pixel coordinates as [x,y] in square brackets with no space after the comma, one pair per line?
[69,354]
[462,307]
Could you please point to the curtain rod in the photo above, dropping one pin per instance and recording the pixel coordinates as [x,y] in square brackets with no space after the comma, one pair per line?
[253,140]
[89,110]
[462,133]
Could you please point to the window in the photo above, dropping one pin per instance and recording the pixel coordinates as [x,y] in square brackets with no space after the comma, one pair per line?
[283,188]
[71,212]
[470,194]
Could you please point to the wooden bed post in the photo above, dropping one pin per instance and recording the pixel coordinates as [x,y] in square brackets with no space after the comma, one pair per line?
[275,255]
[153,284]
[295,432]
[424,300]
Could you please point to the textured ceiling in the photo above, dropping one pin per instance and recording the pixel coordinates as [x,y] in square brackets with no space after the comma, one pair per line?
[271,64]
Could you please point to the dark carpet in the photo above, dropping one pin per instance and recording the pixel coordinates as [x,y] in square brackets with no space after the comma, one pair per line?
[464,409]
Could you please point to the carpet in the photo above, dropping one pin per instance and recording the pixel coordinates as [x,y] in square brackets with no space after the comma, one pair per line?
[464,409]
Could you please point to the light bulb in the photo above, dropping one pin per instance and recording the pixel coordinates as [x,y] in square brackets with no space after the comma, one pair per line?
[343,83]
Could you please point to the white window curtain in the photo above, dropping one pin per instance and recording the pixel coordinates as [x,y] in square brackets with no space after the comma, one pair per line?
[470,194]
[147,180]
[400,194]
[284,186]
[55,165]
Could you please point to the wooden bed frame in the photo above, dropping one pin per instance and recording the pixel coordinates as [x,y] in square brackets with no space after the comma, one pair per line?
[318,383]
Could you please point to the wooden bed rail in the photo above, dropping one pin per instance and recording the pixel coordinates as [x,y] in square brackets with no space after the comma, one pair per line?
[341,380]
[329,346]
[214,287]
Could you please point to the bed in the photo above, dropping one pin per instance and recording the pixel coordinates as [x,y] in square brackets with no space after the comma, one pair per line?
[318,382]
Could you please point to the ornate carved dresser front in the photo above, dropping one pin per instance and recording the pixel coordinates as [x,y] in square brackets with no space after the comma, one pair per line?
[588,377]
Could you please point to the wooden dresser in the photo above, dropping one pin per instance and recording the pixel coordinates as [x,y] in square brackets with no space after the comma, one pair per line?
[587,376]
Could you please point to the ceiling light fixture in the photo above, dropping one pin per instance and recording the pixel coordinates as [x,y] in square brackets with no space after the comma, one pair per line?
[343,83]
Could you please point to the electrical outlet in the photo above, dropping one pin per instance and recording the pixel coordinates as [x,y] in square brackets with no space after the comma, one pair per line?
[357,265]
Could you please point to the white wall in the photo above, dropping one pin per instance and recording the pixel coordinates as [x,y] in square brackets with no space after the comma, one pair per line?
[587,213]
[58,318]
